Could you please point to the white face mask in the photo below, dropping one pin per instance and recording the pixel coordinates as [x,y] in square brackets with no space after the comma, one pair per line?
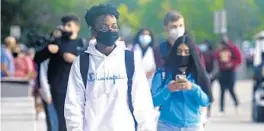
[176,33]
[144,40]
[203,47]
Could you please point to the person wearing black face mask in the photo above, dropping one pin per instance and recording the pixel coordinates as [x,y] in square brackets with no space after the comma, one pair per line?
[108,75]
[181,88]
[61,55]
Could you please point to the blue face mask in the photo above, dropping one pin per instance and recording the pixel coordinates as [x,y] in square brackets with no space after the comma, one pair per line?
[203,47]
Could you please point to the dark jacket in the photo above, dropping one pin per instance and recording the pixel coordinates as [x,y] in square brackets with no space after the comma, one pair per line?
[59,69]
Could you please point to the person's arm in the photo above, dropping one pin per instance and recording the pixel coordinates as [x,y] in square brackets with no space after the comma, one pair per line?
[159,93]
[44,84]
[142,101]
[4,68]
[215,70]
[75,99]
[69,57]
[46,53]
[238,57]
[200,97]
[42,55]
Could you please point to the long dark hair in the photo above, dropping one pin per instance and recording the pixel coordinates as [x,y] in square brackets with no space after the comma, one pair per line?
[194,67]
[136,39]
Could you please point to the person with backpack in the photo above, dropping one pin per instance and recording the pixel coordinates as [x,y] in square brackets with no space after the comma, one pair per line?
[175,27]
[143,49]
[180,89]
[107,88]
[229,58]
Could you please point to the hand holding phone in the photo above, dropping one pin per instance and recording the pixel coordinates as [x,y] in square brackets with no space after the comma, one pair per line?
[182,82]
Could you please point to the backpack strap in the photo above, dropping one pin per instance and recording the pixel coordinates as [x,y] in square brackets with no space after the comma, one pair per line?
[84,66]
[164,50]
[130,69]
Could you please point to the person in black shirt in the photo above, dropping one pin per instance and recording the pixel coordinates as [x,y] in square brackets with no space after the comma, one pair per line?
[61,53]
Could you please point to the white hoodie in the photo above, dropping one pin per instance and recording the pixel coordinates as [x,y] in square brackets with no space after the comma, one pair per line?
[148,60]
[102,105]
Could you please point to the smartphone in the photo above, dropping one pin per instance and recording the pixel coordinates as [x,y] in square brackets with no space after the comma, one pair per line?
[180,77]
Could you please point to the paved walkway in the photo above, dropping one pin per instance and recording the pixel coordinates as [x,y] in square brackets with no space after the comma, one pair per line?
[17,114]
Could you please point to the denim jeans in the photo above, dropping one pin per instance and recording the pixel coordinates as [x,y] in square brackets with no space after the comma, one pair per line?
[51,117]
[166,127]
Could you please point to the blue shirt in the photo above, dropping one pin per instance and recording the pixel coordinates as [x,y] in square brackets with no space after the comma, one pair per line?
[8,60]
[180,108]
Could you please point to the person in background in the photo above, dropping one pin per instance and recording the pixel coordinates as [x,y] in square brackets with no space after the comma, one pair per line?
[143,49]
[175,27]
[24,68]
[210,64]
[45,91]
[229,58]
[7,60]
[180,88]
[61,54]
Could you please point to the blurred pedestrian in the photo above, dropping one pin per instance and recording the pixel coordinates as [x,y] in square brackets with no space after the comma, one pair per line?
[24,66]
[7,59]
[209,59]
[175,27]
[61,53]
[229,58]
[107,88]
[143,49]
[210,65]
[181,88]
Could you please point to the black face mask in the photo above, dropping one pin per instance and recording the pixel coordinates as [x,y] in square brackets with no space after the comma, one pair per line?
[15,54]
[107,38]
[66,34]
[183,61]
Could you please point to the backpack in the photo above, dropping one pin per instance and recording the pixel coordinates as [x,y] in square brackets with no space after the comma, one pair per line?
[130,68]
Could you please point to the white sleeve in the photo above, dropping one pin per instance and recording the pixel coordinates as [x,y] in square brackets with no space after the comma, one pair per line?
[43,77]
[142,101]
[75,99]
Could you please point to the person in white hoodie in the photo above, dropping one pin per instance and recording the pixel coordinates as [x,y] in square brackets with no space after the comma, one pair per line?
[102,99]
[143,49]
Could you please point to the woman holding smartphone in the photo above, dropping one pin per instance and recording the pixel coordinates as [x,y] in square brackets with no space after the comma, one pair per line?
[181,88]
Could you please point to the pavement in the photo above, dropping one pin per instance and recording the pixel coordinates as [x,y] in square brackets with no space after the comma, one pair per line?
[18,114]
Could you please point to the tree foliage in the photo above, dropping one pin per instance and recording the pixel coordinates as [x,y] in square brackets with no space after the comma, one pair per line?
[245,17]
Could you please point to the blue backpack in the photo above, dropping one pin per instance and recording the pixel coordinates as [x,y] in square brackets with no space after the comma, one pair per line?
[130,68]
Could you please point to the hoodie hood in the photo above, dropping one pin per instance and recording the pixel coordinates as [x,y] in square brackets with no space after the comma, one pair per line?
[93,51]
[118,43]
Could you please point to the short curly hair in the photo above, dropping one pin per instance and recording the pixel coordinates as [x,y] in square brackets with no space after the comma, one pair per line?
[96,11]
